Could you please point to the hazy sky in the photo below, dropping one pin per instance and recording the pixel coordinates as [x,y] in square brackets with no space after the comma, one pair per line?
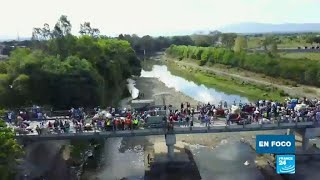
[154,17]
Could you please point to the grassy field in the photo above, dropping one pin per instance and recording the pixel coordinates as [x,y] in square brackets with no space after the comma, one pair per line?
[255,42]
[227,85]
[307,55]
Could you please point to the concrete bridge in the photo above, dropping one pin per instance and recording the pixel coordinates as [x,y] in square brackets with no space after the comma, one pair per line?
[307,130]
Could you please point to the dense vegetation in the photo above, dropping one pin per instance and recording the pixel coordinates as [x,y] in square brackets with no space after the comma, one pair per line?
[303,71]
[268,42]
[63,70]
[145,43]
[153,44]
[293,40]
[10,151]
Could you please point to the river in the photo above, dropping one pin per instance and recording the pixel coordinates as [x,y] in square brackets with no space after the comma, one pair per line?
[190,88]
[124,157]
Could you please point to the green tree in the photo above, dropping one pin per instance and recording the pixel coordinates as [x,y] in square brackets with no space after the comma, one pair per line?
[182,40]
[202,40]
[313,39]
[240,44]
[68,70]
[10,152]
[146,43]
[274,48]
[86,29]
[62,28]
[228,39]
[300,70]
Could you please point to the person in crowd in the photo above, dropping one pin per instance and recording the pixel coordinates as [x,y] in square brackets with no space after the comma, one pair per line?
[207,120]
[38,129]
[187,120]
[50,125]
[228,118]
[135,123]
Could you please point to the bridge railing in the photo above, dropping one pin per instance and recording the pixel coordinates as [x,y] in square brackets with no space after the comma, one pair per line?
[162,131]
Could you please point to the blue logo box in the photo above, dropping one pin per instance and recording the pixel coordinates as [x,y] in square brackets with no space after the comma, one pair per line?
[275,144]
[286,164]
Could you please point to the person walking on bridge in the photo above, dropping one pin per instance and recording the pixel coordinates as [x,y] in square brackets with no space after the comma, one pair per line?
[228,118]
[207,120]
[318,118]
[135,123]
[187,120]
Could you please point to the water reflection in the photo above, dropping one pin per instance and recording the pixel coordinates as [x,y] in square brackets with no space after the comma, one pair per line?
[122,161]
[226,162]
[198,92]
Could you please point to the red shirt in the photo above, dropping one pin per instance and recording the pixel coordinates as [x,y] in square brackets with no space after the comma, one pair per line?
[128,121]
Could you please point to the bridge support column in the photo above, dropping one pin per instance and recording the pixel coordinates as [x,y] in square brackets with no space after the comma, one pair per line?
[305,140]
[170,142]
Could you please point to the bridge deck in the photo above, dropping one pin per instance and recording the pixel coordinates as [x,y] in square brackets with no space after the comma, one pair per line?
[161,131]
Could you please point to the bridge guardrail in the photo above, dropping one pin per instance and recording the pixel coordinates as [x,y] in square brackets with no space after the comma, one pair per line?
[159,131]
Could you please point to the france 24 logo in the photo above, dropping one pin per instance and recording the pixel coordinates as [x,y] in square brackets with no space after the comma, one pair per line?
[286,164]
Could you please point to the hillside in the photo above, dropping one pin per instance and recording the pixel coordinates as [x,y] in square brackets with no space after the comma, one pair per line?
[270,28]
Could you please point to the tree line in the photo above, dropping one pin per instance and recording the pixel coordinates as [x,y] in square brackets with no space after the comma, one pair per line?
[63,70]
[145,44]
[153,44]
[303,71]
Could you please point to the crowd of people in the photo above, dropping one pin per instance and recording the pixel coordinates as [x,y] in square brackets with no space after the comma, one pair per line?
[112,119]
[263,111]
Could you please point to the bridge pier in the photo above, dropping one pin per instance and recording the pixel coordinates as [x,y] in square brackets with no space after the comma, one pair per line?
[290,131]
[306,134]
[170,142]
[305,139]
[305,143]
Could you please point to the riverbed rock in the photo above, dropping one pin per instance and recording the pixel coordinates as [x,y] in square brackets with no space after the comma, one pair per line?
[246,163]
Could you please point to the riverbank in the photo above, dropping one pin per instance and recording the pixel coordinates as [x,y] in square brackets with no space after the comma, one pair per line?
[254,81]
[225,84]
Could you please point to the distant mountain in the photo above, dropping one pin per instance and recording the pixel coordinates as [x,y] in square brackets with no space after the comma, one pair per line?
[271,28]
[10,38]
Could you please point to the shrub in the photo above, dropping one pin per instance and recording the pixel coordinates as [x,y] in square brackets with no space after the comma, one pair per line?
[299,70]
